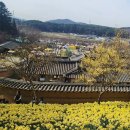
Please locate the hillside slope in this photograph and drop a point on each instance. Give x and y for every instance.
(85, 29)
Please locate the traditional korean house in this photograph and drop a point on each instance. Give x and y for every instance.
(58, 85)
(61, 70)
(8, 46)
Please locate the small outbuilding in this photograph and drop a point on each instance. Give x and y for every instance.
(7, 46)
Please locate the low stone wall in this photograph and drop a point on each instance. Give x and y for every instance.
(63, 97)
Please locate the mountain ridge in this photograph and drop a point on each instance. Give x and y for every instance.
(69, 26)
(62, 21)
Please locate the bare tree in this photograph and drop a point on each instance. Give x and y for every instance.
(29, 35)
(27, 61)
(3, 37)
(28, 57)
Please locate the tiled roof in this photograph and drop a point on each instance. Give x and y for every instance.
(76, 74)
(123, 78)
(120, 78)
(72, 70)
(9, 45)
(57, 68)
(61, 87)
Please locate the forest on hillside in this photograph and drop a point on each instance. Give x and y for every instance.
(7, 23)
(86, 29)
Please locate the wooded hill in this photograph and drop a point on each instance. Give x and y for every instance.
(85, 29)
(7, 23)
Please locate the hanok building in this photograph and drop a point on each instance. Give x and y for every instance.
(8, 46)
(58, 85)
(61, 70)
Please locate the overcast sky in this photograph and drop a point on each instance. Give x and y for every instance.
(113, 13)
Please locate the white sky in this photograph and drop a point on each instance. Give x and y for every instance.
(113, 13)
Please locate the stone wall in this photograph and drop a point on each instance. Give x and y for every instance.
(63, 97)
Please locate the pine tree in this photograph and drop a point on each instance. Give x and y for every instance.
(14, 28)
(6, 23)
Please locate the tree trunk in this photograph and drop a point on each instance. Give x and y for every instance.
(34, 92)
(101, 93)
(99, 98)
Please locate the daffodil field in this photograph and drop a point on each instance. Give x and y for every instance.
(88, 116)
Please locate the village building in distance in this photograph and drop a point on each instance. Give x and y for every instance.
(57, 82)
